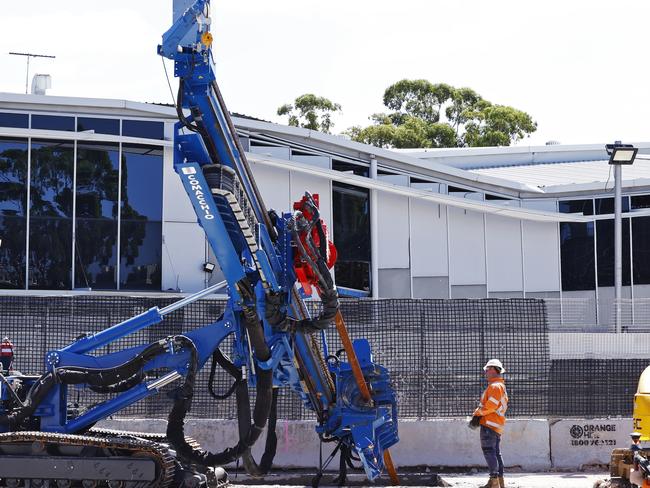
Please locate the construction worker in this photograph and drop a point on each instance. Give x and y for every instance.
(491, 417)
(6, 354)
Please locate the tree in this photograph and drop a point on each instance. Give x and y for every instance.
(417, 98)
(310, 112)
(426, 115)
(498, 125)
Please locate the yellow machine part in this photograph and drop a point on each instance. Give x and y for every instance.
(642, 406)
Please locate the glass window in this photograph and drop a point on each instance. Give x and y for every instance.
(50, 253)
(352, 235)
(100, 126)
(143, 128)
(577, 256)
(640, 201)
(96, 224)
(606, 205)
(12, 251)
(13, 177)
(96, 254)
(52, 122)
(140, 255)
(20, 121)
(97, 180)
(142, 172)
(51, 179)
(345, 167)
(641, 249)
(605, 251)
(585, 207)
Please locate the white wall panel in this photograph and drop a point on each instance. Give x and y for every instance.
(503, 241)
(428, 239)
(277, 152)
(183, 257)
(393, 230)
(274, 185)
(466, 247)
(176, 203)
(318, 161)
(541, 256)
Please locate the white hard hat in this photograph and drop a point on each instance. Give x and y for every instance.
(495, 363)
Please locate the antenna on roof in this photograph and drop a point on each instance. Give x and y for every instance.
(28, 56)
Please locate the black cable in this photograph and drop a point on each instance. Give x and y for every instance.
(219, 358)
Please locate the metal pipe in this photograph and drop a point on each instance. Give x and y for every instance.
(618, 245)
(192, 298)
(374, 233)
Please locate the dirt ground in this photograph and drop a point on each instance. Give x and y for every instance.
(517, 480)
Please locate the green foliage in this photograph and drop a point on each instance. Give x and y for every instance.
(416, 119)
(310, 112)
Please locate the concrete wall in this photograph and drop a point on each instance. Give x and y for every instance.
(531, 444)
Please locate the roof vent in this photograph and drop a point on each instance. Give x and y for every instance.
(40, 83)
(552, 143)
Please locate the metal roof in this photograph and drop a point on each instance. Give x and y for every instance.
(519, 171)
(494, 208)
(571, 176)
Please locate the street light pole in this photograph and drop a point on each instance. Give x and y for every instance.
(619, 154)
(618, 245)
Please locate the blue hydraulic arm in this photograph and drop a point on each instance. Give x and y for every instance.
(270, 262)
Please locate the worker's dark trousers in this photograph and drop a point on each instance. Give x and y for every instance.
(491, 445)
(6, 362)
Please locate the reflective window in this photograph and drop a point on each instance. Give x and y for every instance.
(140, 255)
(351, 207)
(605, 251)
(96, 254)
(52, 122)
(606, 205)
(52, 170)
(99, 126)
(641, 249)
(96, 224)
(142, 172)
(346, 167)
(12, 251)
(141, 213)
(50, 225)
(50, 253)
(585, 207)
(97, 180)
(20, 121)
(143, 128)
(577, 256)
(640, 201)
(13, 177)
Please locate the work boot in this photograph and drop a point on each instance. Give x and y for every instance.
(502, 484)
(493, 482)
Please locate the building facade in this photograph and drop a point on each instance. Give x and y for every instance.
(89, 201)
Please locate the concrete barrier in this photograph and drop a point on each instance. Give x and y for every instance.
(443, 442)
(576, 443)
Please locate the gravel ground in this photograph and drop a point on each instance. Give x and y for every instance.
(533, 480)
(517, 480)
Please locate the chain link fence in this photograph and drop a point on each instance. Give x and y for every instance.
(434, 350)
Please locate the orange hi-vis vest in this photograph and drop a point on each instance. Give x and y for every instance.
(6, 349)
(493, 406)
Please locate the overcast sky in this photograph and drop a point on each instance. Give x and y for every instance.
(580, 68)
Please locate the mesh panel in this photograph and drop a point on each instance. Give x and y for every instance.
(434, 350)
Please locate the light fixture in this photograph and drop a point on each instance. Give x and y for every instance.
(621, 153)
(208, 267)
